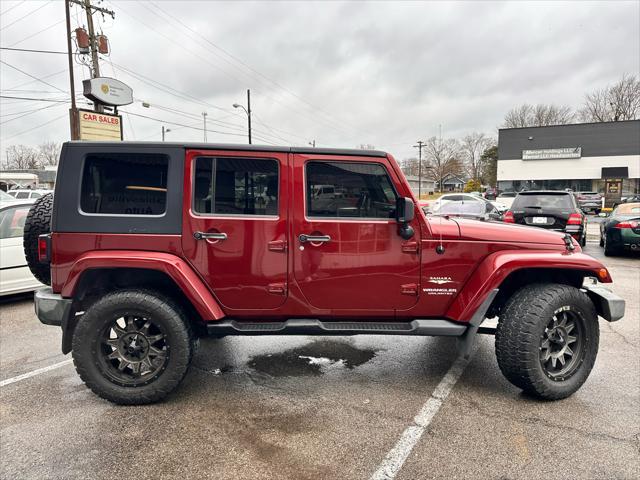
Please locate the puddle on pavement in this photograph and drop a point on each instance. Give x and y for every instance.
(315, 358)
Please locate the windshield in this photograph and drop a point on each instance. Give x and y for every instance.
(542, 201)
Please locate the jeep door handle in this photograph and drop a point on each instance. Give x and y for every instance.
(209, 236)
(314, 238)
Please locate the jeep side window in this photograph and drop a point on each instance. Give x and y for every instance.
(124, 184)
(349, 189)
(235, 186)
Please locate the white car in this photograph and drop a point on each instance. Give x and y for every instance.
(15, 276)
(25, 194)
(506, 198)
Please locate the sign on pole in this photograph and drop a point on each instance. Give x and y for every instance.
(99, 126)
(107, 91)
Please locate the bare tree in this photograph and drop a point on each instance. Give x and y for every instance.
(472, 147)
(22, 157)
(366, 146)
(409, 166)
(443, 158)
(49, 153)
(538, 115)
(618, 102)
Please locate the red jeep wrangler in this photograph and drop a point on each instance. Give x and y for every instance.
(147, 246)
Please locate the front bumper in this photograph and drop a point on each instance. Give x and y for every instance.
(53, 309)
(608, 305)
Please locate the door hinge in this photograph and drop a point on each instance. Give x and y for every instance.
(277, 246)
(409, 289)
(277, 288)
(410, 247)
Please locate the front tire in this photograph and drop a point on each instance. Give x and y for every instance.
(547, 340)
(131, 347)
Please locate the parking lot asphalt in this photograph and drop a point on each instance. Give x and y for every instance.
(322, 408)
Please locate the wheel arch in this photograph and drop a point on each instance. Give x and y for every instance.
(509, 271)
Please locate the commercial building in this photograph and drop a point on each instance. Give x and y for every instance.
(602, 157)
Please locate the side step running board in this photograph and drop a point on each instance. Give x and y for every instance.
(437, 327)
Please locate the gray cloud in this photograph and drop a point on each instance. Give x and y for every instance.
(379, 73)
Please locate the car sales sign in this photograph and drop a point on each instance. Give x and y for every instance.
(99, 126)
(107, 91)
(552, 153)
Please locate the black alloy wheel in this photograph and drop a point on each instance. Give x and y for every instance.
(561, 344)
(134, 351)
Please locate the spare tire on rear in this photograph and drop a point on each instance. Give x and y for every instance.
(38, 222)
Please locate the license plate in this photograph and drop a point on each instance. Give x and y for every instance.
(539, 220)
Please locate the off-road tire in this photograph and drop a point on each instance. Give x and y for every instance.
(87, 339)
(38, 222)
(521, 325)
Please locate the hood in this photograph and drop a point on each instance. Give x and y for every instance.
(502, 232)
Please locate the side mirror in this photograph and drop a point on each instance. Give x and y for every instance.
(404, 215)
(404, 210)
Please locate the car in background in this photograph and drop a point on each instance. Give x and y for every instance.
(621, 229)
(506, 198)
(490, 193)
(465, 205)
(550, 209)
(635, 198)
(5, 197)
(483, 211)
(15, 275)
(589, 201)
(25, 194)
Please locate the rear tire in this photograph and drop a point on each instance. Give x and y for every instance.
(38, 222)
(609, 251)
(547, 340)
(132, 347)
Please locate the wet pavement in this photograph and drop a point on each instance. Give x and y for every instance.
(321, 408)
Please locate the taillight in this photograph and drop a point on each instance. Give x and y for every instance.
(574, 219)
(44, 248)
(508, 217)
(628, 224)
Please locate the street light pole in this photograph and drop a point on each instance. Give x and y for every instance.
(247, 111)
(165, 130)
(419, 147)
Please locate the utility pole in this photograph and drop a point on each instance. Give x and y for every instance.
(89, 10)
(204, 119)
(73, 113)
(419, 147)
(313, 143)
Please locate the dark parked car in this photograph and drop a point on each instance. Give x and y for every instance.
(554, 210)
(635, 198)
(621, 230)
(589, 201)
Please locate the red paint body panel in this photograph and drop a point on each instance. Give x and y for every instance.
(497, 266)
(176, 268)
(366, 271)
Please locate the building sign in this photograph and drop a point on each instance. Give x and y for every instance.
(99, 126)
(552, 153)
(612, 191)
(107, 91)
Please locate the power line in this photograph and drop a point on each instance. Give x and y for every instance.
(32, 76)
(25, 16)
(31, 50)
(37, 33)
(31, 81)
(29, 113)
(298, 97)
(34, 99)
(11, 8)
(36, 127)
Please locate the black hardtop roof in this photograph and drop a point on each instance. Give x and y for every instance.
(232, 146)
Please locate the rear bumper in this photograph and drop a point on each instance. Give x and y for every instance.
(608, 305)
(50, 307)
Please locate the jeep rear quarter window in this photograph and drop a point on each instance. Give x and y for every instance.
(124, 184)
(349, 189)
(236, 186)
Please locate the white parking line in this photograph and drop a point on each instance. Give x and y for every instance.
(33, 373)
(394, 460)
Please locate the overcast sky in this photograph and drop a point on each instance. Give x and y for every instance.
(342, 74)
